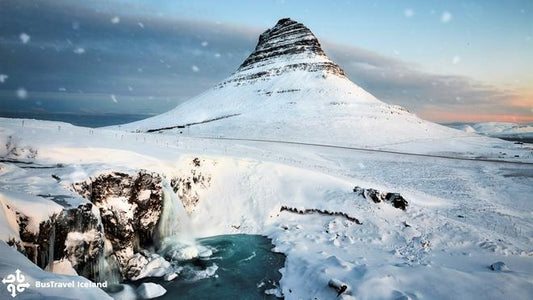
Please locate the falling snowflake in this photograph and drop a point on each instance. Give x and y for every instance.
(141, 25)
(22, 93)
(115, 20)
(446, 17)
(456, 59)
(114, 98)
(75, 25)
(25, 38)
(62, 89)
(205, 43)
(79, 50)
(195, 69)
(408, 13)
(3, 78)
(217, 55)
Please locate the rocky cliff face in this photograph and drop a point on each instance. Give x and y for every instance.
(189, 184)
(111, 231)
(288, 46)
(74, 233)
(129, 207)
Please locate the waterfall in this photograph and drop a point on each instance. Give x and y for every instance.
(108, 269)
(176, 238)
(51, 244)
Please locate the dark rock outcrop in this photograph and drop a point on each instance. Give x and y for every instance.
(395, 199)
(74, 233)
(320, 212)
(130, 207)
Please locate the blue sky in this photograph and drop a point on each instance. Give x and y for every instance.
(444, 60)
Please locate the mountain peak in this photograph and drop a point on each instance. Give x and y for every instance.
(288, 46)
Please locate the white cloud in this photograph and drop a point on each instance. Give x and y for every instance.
(446, 17)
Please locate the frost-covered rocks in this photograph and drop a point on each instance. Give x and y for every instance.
(339, 286)
(130, 207)
(150, 290)
(395, 199)
(73, 233)
(188, 185)
(499, 266)
(14, 150)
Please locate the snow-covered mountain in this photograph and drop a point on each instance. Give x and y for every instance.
(288, 89)
(504, 130)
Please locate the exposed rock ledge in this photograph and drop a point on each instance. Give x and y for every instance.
(129, 207)
(109, 232)
(395, 199)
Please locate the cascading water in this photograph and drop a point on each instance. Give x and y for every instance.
(51, 244)
(175, 232)
(108, 269)
(108, 266)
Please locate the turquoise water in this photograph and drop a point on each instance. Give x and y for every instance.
(241, 267)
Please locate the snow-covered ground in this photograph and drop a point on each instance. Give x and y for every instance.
(462, 216)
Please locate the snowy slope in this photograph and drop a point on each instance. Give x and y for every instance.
(288, 89)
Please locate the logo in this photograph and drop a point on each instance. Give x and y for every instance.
(16, 283)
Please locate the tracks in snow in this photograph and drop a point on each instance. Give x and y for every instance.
(487, 160)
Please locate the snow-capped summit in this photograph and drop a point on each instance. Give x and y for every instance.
(288, 89)
(286, 47)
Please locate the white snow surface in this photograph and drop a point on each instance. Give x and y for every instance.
(463, 215)
(37, 209)
(150, 290)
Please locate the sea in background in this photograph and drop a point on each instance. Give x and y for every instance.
(85, 120)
